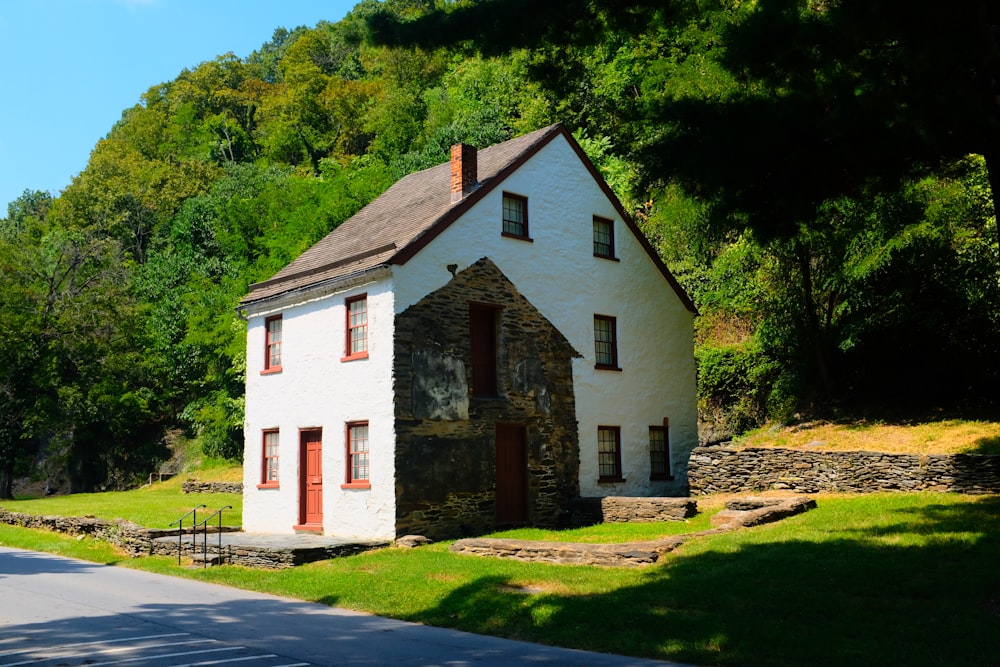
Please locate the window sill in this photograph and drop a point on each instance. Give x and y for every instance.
(610, 480)
(517, 237)
(607, 367)
(268, 485)
(355, 357)
(356, 485)
(271, 371)
(661, 478)
(609, 257)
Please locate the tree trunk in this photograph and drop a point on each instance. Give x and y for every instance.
(814, 331)
(7, 482)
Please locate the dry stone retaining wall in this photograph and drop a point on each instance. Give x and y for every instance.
(192, 486)
(134, 539)
(720, 469)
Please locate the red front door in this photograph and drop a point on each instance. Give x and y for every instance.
(311, 482)
(512, 474)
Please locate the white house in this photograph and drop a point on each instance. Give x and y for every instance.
(485, 343)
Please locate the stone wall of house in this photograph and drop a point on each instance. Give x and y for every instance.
(720, 469)
(445, 436)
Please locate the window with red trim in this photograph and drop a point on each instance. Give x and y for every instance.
(357, 327)
(272, 344)
(269, 458)
(357, 455)
(609, 454)
(606, 342)
(515, 216)
(604, 238)
(659, 451)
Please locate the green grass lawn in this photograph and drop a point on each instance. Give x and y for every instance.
(900, 579)
(154, 506)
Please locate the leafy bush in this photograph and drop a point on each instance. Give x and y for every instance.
(738, 386)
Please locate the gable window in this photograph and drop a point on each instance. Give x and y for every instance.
(483, 329)
(269, 459)
(609, 454)
(357, 328)
(659, 451)
(272, 344)
(604, 238)
(515, 216)
(606, 342)
(357, 456)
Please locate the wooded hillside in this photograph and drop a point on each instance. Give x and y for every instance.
(816, 174)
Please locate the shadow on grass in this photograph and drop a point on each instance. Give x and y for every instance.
(888, 596)
(986, 446)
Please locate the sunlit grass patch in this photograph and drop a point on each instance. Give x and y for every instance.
(952, 436)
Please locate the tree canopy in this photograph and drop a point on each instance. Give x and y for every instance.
(817, 173)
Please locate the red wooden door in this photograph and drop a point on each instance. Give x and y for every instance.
(311, 483)
(512, 474)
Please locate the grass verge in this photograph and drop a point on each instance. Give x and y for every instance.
(862, 580)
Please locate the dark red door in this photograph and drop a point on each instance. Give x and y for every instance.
(311, 484)
(512, 474)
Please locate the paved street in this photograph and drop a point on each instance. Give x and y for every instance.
(63, 612)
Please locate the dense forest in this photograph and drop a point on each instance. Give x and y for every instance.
(817, 174)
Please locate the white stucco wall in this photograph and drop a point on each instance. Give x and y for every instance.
(316, 389)
(559, 275)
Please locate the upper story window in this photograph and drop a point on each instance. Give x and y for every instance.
(659, 451)
(357, 328)
(269, 459)
(609, 454)
(357, 455)
(483, 334)
(272, 344)
(515, 216)
(604, 238)
(606, 342)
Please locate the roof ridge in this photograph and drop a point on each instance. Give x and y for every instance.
(406, 214)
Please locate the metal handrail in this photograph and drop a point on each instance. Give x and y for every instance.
(204, 542)
(180, 529)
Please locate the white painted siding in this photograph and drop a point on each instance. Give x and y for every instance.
(316, 389)
(559, 275)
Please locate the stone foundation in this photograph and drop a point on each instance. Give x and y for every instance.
(569, 553)
(738, 514)
(730, 470)
(622, 509)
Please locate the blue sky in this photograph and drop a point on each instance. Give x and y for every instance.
(70, 67)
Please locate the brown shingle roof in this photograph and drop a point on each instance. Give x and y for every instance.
(381, 231)
(414, 210)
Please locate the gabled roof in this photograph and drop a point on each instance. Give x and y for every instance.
(413, 211)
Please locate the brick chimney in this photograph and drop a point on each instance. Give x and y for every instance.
(464, 170)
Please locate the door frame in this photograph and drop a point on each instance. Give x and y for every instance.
(523, 512)
(303, 485)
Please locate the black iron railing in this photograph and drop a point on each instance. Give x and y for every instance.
(204, 542)
(180, 529)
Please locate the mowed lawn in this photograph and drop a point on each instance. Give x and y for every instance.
(880, 579)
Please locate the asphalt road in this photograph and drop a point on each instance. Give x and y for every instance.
(59, 612)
